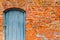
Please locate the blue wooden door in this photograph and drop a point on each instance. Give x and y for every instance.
(14, 24)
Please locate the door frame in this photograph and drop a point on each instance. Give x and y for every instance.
(16, 9)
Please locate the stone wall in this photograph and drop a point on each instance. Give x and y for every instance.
(42, 18)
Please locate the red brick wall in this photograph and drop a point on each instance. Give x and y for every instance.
(42, 18)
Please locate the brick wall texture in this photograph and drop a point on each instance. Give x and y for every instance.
(42, 18)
